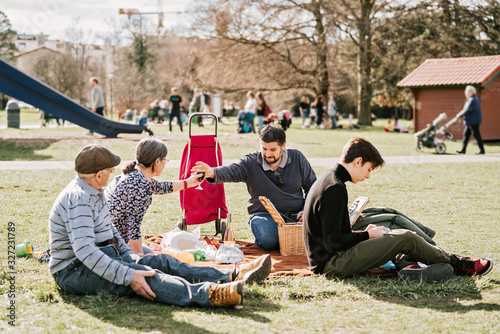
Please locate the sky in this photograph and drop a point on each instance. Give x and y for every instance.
(52, 17)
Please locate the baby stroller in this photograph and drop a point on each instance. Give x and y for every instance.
(283, 118)
(244, 125)
(200, 206)
(428, 137)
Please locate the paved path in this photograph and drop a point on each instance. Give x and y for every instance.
(317, 162)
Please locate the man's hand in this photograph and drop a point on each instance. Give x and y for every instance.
(140, 286)
(93, 109)
(300, 216)
(376, 232)
(209, 171)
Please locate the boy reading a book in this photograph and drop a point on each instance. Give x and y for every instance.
(334, 249)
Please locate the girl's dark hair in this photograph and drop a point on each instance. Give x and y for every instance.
(360, 147)
(318, 98)
(148, 150)
(261, 100)
(260, 96)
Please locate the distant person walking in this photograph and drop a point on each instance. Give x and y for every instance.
(332, 111)
(304, 108)
(262, 109)
(472, 118)
(200, 103)
(195, 105)
(251, 109)
(96, 97)
(175, 102)
(320, 110)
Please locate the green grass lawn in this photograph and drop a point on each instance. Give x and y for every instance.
(62, 144)
(25, 116)
(460, 201)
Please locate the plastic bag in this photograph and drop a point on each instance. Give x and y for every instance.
(210, 252)
(227, 254)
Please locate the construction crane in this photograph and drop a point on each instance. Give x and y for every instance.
(134, 11)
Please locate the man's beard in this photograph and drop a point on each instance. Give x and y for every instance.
(275, 160)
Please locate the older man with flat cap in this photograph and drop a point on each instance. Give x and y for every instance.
(89, 255)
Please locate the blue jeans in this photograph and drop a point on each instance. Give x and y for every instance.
(147, 250)
(334, 124)
(260, 119)
(250, 119)
(265, 230)
(305, 115)
(175, 282)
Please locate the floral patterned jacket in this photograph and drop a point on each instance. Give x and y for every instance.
(129, 197)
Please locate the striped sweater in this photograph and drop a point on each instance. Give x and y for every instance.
(78, 220)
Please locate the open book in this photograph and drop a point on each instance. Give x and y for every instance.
(356, 208)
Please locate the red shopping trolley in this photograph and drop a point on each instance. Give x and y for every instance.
(200, 206)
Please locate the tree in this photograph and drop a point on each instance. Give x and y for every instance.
(282, 43)
(7, 46)
(63, 73)
(429, 29)
(359, 20)
(136, 75)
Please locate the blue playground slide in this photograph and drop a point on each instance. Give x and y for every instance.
(23, 87)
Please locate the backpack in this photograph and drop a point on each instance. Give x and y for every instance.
(267, 111)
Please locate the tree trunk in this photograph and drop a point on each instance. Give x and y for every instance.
(364, 64)
(322, 79)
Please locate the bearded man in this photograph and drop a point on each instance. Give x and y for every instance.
(281, 174)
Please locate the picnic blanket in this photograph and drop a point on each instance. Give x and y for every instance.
(296, 265)
(282, 265)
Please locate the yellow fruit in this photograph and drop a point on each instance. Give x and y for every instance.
(185, 256)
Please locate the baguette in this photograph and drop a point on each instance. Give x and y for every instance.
(272, 210)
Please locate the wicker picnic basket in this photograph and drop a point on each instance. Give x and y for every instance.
(290, 235)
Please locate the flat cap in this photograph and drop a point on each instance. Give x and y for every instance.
(93, 158)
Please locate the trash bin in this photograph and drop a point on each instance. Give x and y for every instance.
(12, 110)
(130, 114)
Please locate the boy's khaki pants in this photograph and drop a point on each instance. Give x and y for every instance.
(403, 247)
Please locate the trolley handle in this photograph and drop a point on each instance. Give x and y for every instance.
(196, 114)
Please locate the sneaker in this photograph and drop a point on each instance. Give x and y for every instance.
(225, 295)
(438, 272)
(471, 267)
(255, 271)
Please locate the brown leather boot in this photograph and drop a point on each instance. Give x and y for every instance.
(255, 271)
(224, 295)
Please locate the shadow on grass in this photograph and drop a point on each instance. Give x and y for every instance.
(136, 313)
(24, 149)
(444, 297)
